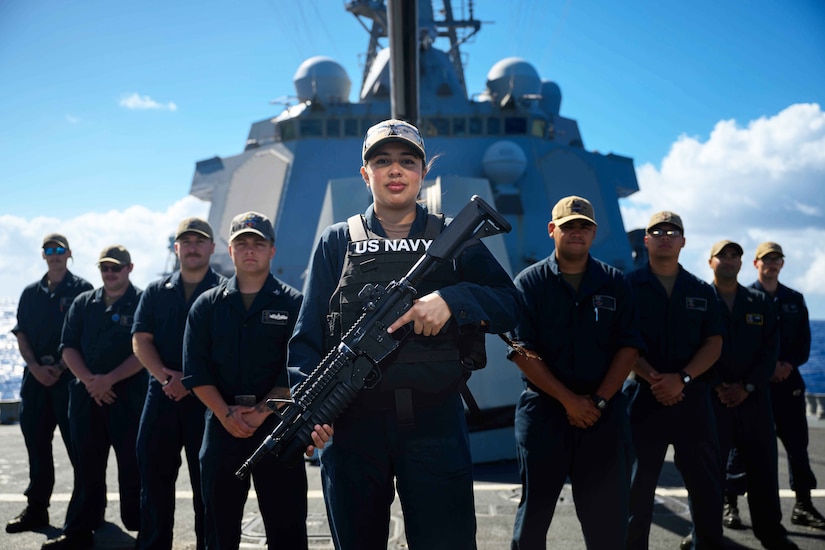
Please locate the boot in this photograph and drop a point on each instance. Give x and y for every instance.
(70, 541)
(28, 520)
(730, 513)
(805, 514)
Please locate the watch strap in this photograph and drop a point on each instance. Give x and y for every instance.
(599, 401)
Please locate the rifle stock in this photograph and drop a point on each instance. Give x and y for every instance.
(334, 383)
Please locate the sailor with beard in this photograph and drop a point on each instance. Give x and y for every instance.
(173, 418)
(742, 404)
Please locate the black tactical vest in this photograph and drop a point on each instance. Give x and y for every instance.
(430, 366)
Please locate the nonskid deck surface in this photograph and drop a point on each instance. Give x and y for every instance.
(496, 496)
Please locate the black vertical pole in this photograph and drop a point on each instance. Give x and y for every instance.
(403, 36)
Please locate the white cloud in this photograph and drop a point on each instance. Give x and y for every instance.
(143, 232)
(748, 184)
(143, 102)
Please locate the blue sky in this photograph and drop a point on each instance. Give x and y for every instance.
(106, 106)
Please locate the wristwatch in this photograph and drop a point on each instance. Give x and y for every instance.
(686, 378)
(599, 401)
(749, 387)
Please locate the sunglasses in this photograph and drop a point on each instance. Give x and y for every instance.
(400, 130)
(772, 260)
(52, 250)
(665, 232)
(113, 268)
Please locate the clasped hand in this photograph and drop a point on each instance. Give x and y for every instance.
(667, 388)
(100, 389)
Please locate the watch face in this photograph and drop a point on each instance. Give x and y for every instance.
(749, 388)
(686, 378)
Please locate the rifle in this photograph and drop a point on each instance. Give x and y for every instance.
(353, 364)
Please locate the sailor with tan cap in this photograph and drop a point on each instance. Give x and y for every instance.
(787, 388)
(104, 409)
(581, 328)
(172, 418)
(742, 404)
(670, 401)
(44, 390)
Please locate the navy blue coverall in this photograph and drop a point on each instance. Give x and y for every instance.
(577, 334)
(40, 315)
(674, 328)
(787, 396)
(166, 426)
(243, 352)
(102, 335)
(430, 463)
(749, 357)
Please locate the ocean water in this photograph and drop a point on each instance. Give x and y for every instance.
(11, 364)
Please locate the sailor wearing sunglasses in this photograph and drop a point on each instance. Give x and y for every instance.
(106, 399)
(44, 391)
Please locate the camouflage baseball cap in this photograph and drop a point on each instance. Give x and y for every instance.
(392, 130)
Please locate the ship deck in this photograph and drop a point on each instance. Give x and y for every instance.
(496, 496)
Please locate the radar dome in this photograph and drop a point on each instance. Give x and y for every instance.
(514, 76)
(322, 79)
(504, 162)
(550, 97)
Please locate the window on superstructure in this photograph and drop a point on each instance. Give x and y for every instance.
(515, 125)
(459, 126)
(287, 128)
(351, 127)
(333, 127)
(366, 124)
(438, 126)
(312, 127)
(537, 127)
(476, 126)
(493, 126)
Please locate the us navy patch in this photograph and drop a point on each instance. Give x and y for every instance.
(790, 308)
(696, 304)
(272, 317)
(603, 301)
(389, 245)
(754, 319)
(124, 320)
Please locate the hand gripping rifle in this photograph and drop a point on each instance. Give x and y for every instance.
(353, 364)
